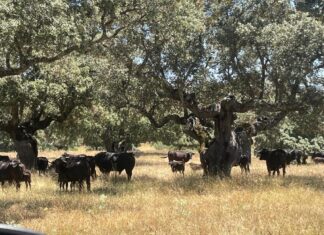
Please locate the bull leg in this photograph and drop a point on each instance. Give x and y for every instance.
(80, 186)
(227, 171)
(129, 175)
(269, 171)
(88, 182)
(94, 175)
(284, 171)
(17, 185)
(298, 161)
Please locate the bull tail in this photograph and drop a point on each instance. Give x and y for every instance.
(164, 157)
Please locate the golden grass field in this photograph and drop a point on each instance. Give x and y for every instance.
(158, 202)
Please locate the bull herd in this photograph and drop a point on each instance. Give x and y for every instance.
(75, 169)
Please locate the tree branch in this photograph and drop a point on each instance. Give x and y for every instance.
(158, 124)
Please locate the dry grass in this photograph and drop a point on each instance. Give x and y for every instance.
(158, 202)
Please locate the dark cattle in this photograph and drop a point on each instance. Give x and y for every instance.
(179, 156)
(244, 164)
(4, 158)
(11, 171)
(318, 160)
(57, 165)
(275, 160)
(42, 164)
(102, 161)
(177, 167)
(299, 156)
(108, 162)
(304, 158)
(72, 169)
(92, 164)
(317, 154)
(26, 177)
(90, 159)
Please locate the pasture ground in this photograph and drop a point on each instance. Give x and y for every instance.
(158, 202)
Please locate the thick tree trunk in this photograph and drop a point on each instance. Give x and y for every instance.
(108, 140)
(26, 152)
(222, 155)
(26, 146)
(228, 146)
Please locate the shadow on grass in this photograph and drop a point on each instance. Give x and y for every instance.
(251, 182)
(114, 185)
(15, 210)
(178, 183)
(315, 182)
(194, 183)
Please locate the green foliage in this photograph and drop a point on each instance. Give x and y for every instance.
(44, 94)
(6, 144)
(286, 136)
(88, 126)
(143, 56)
(313, 7)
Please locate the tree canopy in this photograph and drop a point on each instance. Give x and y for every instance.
(265, 53)
(228, 64)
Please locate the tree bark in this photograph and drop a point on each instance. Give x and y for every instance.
(26, 152)
(26, 146)
(228, 146)
(110, 142)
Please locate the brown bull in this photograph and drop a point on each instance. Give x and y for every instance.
(179, 156)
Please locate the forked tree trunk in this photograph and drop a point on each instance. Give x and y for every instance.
(226, 149)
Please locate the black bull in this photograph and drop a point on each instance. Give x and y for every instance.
(219, 158)
(72, 169)
(108, 162)
(11, 171)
